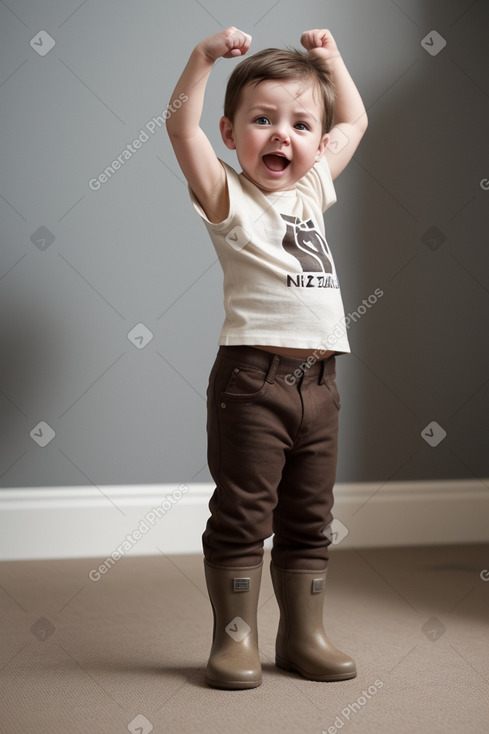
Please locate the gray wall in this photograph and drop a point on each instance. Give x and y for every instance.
(134, 252)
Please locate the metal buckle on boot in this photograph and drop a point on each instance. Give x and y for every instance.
(241, 584)
(317, 586)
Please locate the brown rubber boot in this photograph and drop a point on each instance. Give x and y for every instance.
(234, 660)
(302, 645)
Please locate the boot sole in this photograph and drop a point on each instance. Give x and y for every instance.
(236, 685)
(284, 665)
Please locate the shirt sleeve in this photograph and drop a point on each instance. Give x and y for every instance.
(319, 182)
(233, 190)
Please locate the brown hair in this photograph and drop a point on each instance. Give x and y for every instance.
(275, 63)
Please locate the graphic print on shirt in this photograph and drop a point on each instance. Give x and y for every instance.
(303, 241)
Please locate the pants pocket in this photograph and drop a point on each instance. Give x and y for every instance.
(331, 386)
(244, 384)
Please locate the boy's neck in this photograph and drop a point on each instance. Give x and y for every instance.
(270, 191)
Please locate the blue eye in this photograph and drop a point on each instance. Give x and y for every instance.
(301, 126)
(262, 120)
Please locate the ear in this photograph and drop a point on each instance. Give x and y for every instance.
(322, 146)
(227, 132)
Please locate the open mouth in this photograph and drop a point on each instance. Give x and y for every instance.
(275, 162)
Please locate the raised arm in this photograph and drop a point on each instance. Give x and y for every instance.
(350, 118)
(193, 149)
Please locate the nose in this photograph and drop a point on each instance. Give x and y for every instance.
(281, 135)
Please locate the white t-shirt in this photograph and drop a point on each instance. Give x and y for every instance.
(280, 282)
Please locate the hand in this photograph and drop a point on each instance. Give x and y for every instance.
(228, 43)
(321, 43)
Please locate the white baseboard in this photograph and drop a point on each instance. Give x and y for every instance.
(78, 522)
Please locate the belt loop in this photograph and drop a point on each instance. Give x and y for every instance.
(321, 372)
(273, 369)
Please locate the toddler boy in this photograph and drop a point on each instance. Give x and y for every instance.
(295, 119)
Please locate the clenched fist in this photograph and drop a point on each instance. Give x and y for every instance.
(228, 43)
(320, 41)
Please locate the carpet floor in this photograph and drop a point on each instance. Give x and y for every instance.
(127, 652)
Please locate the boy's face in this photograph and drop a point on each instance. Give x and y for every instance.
(277, 132)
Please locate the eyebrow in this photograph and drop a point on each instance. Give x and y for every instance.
(298, 113)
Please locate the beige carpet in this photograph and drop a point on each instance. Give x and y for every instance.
(128, 652)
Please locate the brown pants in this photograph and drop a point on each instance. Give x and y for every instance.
(272, 425)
